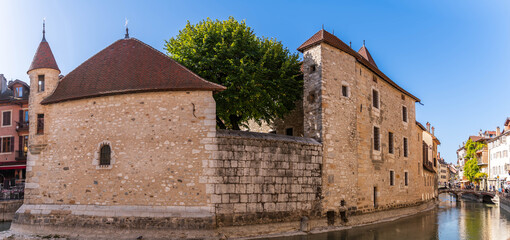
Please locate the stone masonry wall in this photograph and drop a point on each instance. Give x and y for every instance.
(356, 177)
(158, 141)
(261, 178)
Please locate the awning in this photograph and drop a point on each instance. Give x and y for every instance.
(13, 167)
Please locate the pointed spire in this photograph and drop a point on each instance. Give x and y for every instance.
(44, 30)
(363, 51)
(127, 30)
(43, 57)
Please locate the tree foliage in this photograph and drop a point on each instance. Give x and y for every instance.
(481, 175)
(471, 168)
(262, 77)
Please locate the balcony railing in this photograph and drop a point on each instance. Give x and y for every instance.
(22, 126)
(20, 155)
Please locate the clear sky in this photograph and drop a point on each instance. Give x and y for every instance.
(453, 55)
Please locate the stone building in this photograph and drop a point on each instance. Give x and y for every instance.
(429, 174)
(13, 131)
(127, 141)
(365, 122)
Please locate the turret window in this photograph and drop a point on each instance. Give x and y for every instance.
(40, 123)
(41, 83)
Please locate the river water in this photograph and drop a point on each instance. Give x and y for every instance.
(451, 220)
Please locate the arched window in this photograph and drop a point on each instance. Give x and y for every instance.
(105, 155)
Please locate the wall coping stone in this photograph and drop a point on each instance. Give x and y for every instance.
(222, 133)
(121, 211)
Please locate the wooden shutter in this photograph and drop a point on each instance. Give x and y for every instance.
(21, 116)
(12, 144)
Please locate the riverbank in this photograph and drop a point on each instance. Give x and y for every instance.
(316, 226)
(313, 226)
(504, 201)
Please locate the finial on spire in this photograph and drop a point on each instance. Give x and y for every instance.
(363, 43)
(127, 30)
(44, 30)
(323, 26)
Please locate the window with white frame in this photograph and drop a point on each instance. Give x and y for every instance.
(7, 144)
(6, 118)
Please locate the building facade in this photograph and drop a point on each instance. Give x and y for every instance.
(443, 173)
(499, 161)
(13, 131)
(130, 136)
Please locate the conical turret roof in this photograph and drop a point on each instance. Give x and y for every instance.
(43, 57)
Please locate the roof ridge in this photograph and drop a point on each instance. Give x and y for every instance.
(127, 66)
(337, 43)
(185, 68)
(85, 62)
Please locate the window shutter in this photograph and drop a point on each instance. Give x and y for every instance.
(12, 144)
(20, 116)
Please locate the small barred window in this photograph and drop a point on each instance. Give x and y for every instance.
(105, 155)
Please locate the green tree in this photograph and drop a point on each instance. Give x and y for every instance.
(479, 176)
(471, 166)
(262, 77)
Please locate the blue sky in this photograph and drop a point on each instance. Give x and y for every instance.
(453, 55)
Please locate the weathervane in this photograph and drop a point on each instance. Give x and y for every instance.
(127, 30)
(44, 30)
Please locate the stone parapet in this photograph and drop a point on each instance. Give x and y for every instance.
(261, 178)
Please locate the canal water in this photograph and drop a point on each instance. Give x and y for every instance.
(451, 220)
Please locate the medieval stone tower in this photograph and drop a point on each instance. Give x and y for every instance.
(329, 106)
(44, 77)
(365, 123)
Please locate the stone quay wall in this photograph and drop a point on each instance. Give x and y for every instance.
(8, 208)
(261, 178)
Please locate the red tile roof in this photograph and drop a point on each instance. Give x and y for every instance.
(43, 57)
(127, 66)
(324, 36)
(363, 51)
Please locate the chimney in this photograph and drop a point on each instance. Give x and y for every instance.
(498, 131)
(507, 124)
(433, 131)
(428, 127)
(3, 83)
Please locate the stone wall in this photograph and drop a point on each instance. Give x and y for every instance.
(158, 141)
(262, 178)
(356, 177)
(8, 208)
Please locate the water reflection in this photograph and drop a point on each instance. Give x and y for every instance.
(451, 220)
